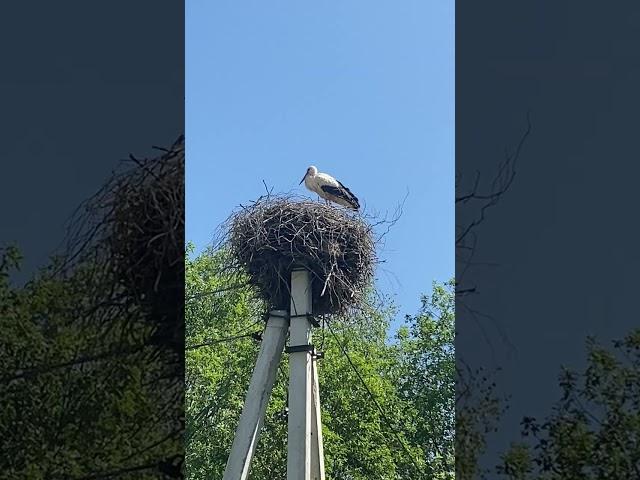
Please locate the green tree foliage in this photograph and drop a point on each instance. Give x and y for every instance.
(593, 431)
(387, 403)
(427, 380)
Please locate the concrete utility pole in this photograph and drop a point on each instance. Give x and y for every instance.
(262, 380)
(300, 368)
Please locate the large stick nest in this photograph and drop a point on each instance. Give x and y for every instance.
(275, 233)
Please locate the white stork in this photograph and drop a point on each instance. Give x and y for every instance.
(329, 188)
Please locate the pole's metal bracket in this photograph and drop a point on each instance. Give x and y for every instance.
(299, 348)
(304, 348)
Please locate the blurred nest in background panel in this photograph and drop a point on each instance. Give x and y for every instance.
(146, 238)
(275, 233)
(130, 238)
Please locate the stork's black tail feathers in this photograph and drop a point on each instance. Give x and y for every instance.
(352, 199)
(344, 193)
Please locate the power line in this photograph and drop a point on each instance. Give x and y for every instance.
(322, 340)
(239, 334)
(375, 401)
(199, 295)
(255, 335)
(34, 371)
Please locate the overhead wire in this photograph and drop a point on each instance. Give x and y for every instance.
(240, 334)
(377, 404)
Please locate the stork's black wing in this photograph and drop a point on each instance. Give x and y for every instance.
(342, 192)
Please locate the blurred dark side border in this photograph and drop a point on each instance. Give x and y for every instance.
(547, 339)
(92, 240)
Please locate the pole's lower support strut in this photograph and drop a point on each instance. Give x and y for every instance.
(260, 387)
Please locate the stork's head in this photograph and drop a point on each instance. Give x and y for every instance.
(311, 171)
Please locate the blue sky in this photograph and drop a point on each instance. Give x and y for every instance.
(363, 90)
